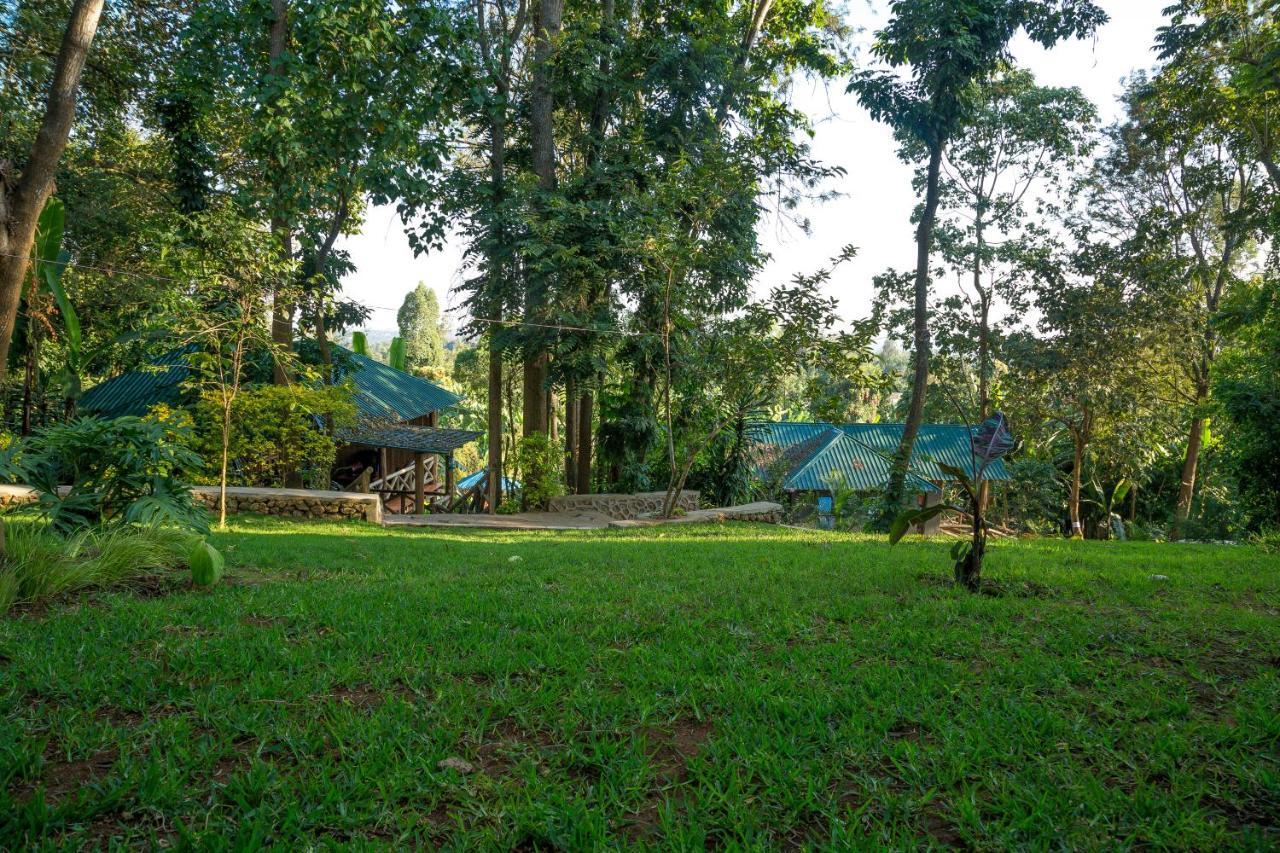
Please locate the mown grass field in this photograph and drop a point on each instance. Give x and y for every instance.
(687, 687)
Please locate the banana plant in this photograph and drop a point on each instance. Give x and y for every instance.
(992, 441)
(359, 343)
(49, 262)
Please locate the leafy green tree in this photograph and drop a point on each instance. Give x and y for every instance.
(948, 50)
(1223, 66)
(1085, 373)
(1247, 395)
(232, 269)
(422, 332)
(1185, 206)
(276, 431)
(1022, 140)
(296, 101)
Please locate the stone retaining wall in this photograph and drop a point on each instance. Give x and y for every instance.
(619, 506)
(295, 503)
(10, 495)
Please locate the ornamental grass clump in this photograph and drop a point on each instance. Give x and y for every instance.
(41, 564)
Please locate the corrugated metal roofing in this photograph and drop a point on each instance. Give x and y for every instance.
(419, 439)
(135, 392)
(945, 443)
(864, 457)
(382, 392)
(473, 479)
(839, 457)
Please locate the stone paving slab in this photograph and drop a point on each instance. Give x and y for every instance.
(514, 521)
(581, 520)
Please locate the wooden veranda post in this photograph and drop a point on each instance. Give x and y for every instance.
(448, 476)
(419, 483)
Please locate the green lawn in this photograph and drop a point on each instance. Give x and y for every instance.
(684, 687)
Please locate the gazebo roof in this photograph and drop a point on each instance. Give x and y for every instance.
(417, 439)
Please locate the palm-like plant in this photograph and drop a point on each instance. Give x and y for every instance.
(992, 441)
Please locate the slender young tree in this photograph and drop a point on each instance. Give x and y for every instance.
(948, 49)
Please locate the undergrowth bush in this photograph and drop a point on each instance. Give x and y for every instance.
(94, 471)
(41, 564)
(541, 465)
(277, 430)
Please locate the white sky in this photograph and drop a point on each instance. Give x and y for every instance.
(873, 213)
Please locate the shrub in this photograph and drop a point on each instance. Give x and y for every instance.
(277, 430)
(541, 465)
(122, 470)
(41, 564)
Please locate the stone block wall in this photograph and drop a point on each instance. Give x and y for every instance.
(10, 495)
(295, 503)
(622, 507)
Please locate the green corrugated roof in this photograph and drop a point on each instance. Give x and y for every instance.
(945, 443)
(135, 392)
(837, 456)
(862, 453)
(382, 393)
(419, 439)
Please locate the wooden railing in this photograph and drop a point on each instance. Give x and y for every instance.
(398, 489)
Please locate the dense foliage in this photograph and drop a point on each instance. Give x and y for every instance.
(607, 168)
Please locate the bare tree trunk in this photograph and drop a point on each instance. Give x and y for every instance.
(1190, 461)
(21, 202)
(920, 383)
(570, 435)
(495, 425)
(282, 307)
(1073, 498)
(586, 405)
(28, 386)
(546, 29)
(226, 454)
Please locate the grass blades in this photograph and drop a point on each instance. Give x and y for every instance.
(736, 686)
(40, 564)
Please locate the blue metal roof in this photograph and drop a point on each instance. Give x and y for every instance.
(472, 480)
(382, 393)
(862, 454)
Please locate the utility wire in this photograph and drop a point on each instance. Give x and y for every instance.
(492, 321)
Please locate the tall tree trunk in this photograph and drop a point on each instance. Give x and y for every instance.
(586, 405)
(546, 30)
(1187, 487)
(920, 383)
(22, 201)
(495, 422)
(282, 307)
(570, 435)
(984, 346)
(28, 388)
(1073, 498)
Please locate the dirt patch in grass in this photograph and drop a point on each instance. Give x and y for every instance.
(243, 750)
(61, 779)
(254, 620)
(360, 696)
(907, 730)
(120, 717)
(670, 750)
